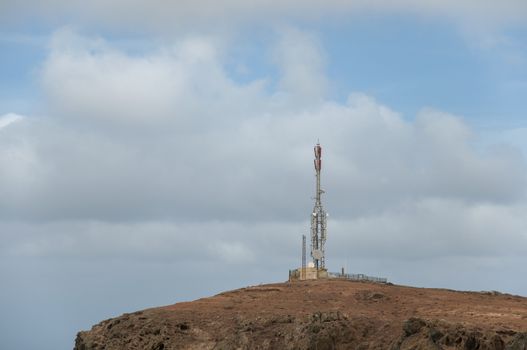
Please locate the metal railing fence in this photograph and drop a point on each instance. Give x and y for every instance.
(358, 277)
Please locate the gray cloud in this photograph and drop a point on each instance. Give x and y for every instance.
(140, 14)
(423, 230)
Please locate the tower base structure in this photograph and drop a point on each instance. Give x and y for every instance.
(308, 273)
(312, 273)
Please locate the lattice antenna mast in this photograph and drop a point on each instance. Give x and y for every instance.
(318, 217)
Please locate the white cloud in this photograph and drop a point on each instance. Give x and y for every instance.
(19, 164)
(89, 79)
(9, 118)
(164, 156)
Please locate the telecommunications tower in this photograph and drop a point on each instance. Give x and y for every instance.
(316, 268)
(318, 218)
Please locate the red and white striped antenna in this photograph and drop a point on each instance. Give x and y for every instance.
(319, 216)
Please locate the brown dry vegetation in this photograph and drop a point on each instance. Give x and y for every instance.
(323, 314)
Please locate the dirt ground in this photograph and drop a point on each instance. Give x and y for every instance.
(322, 314)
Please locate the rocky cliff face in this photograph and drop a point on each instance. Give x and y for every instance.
(331, 314)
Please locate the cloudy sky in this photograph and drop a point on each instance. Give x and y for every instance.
(159, 151)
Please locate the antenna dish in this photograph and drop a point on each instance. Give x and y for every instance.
(317, 254)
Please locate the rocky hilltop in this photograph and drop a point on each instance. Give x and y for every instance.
(322, 314)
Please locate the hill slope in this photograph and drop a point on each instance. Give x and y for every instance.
(323, 314)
